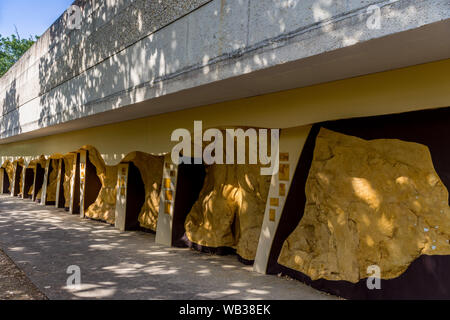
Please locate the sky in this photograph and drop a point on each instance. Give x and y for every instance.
(32, 17)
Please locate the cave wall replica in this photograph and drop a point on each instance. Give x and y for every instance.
(368, 202)
(151, 170)
(42, 161)
(229, 211)
(370, 191)
(52, 180)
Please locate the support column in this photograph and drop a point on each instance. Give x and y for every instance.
(291, 145)
(60, 200)
(45, 182)
(121, 200)
(166, 204)
(74, 206)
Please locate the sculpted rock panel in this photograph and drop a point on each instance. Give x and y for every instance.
(104, 206)
(377, 202)
(230, 209)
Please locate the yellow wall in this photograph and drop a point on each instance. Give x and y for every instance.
(413, 88)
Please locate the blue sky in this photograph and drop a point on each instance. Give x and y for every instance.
(32, 17)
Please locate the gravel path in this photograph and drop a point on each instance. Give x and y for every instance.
(14, 284)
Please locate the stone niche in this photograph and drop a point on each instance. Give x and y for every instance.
(368, 202)
(230, 209)
(151, 170)
(29, 192)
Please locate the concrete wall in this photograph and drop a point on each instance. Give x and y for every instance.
(129, 52)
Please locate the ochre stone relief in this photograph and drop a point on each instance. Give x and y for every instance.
(230, 209)
(104, 206)
(377, 202)
(52, 180)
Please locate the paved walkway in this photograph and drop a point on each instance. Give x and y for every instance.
(44, 242)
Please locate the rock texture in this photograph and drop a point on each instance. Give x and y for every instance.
(230, 209)
(151, 169)
(377, 202)
(104, 207)
(68, 172)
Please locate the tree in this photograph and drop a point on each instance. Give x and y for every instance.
(11, 49)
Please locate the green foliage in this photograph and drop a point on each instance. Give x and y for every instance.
(11, 49)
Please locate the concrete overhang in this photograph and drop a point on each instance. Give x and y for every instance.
(216, 82)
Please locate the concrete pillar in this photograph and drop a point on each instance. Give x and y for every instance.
(74, 205)
(60, 200)
(167, 202)
(121, 200)
(291, 145)
(45, 183)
